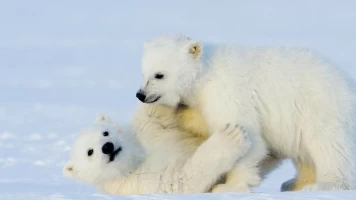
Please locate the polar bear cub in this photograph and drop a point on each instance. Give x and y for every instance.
(154, 156)
(291, 102)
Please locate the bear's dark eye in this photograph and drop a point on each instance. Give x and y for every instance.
(159, 76)
(106, 133)
(90, 152)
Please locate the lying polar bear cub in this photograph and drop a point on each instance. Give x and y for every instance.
(153, 156)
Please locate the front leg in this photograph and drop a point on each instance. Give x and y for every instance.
(246, 173)
(114, 186)
(213, 158)
(229, 105)
(137, 182)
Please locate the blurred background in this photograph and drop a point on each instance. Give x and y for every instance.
(64, 62)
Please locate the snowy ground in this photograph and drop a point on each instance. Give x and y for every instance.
(63, 62)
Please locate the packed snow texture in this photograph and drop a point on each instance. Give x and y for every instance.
(64, 62)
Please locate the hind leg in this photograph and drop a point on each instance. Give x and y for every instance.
(333, 162)
(306, 175)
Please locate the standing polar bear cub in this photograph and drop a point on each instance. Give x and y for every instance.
(154, 156)
(292, 103)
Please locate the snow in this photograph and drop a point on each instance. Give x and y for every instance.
(64, 62)
(344, 195)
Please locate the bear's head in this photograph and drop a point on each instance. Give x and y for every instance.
(103, 152)
(170, 65)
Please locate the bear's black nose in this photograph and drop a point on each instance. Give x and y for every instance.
(108, 148)
(141, 96)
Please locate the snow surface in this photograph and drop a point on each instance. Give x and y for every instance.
(64, 62)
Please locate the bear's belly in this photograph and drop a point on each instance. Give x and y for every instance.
(285, 143)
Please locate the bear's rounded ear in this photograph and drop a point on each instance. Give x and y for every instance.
(68, 169)
(102, 117)
(195, 48)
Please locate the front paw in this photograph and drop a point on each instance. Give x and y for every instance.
(288, 185)
(235, 138)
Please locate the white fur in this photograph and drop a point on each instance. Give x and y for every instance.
(96, 168)
(291, 101)
(156, 156)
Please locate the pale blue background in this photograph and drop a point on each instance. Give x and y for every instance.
(64, 62)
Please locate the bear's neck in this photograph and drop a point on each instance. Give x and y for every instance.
(190, 97)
